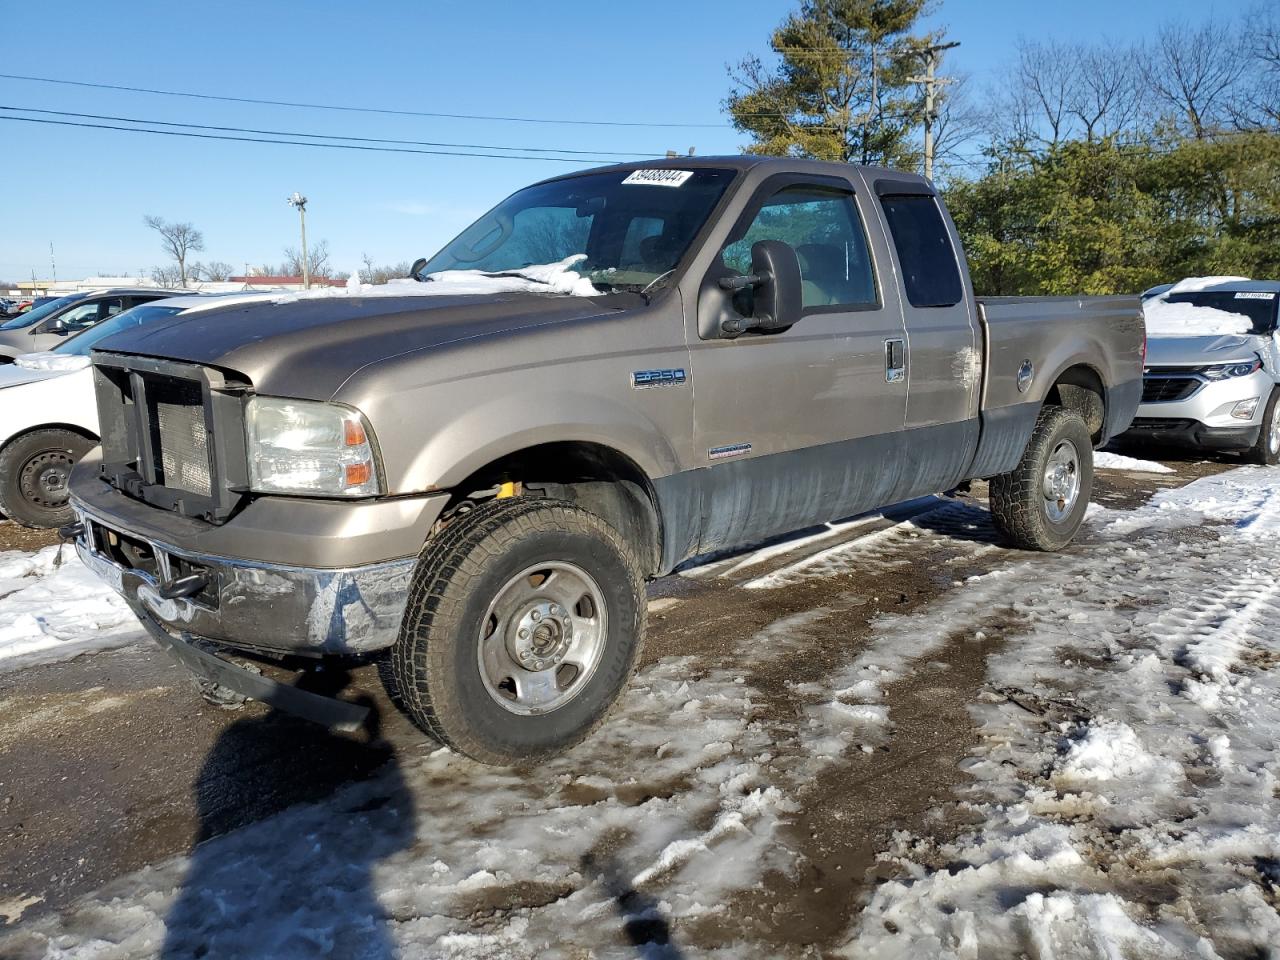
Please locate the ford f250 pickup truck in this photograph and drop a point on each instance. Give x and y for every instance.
(469, 475)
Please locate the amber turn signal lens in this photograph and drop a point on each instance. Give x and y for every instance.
(354, 434)
(358, 474)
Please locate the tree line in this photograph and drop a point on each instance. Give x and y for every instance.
(179, 240)
(1087, 168)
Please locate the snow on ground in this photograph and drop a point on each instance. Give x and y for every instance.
(1126, 782)
(1118, 461)
(50, 612)
(1124, 789)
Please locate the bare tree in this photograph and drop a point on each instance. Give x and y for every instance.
(372, 273)
(1047, 80)
(178, 240)
(214, 270)
(317, 260)
(1260, 104)
(1194, 72)
(169, 277)
(1104, 94)
(959, 124)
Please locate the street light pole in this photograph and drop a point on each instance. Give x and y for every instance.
(299, 201)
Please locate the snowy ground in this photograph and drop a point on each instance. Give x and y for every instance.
(1119, 799)
(52, 608)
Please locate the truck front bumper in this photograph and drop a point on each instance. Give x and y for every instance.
(262, 607)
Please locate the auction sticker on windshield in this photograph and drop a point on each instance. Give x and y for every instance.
(659, 178)
(1255, 295)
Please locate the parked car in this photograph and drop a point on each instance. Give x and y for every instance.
(610, 373)
(49, 417)
(1212, 368)
(44, 327)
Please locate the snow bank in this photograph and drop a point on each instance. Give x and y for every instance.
(1116, 461)
(54, 613)
(1165, 319)
(557, 278)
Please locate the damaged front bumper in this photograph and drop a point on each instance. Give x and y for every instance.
(261, 607)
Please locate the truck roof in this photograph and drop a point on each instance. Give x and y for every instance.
(747, 161)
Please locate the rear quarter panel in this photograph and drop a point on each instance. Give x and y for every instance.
(1104, 334)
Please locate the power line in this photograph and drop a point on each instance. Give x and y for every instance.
(328, 136)
(295, 143)
(349, 109)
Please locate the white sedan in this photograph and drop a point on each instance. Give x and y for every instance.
(49, 414)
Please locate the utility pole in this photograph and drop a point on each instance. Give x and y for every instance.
(53, 265)
(299, 201)
(931, 82)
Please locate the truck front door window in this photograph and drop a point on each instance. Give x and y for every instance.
(824, 229)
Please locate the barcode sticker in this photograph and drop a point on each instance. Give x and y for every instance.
(1255, 295)
(658, 178)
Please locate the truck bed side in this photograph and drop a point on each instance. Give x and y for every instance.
(1067, 344)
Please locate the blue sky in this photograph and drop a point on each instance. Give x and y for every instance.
(661, 61)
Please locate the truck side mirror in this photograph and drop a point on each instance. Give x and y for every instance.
(778, 297)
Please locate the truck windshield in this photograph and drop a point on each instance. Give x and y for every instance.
(36, 314)
(1246, 311)
(81, 344)
(633, 227)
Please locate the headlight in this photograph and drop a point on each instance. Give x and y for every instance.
(309, 448)
(1225, 371)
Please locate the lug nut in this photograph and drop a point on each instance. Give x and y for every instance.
(523, 634)
(536, 615)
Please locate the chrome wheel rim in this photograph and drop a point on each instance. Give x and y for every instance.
(1273, 433)
(1061, 483)
(542, 637)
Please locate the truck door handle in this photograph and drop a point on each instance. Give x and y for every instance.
(895, 360)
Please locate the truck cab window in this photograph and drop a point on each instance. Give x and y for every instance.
(825, 230)
(928, 260)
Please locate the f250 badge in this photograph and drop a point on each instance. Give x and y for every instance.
(643, 379)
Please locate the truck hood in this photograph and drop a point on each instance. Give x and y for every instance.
(1187, 351)
(307, 347)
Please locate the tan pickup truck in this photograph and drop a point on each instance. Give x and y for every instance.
(471, 474)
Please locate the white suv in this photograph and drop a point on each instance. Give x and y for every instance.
(1212, 367)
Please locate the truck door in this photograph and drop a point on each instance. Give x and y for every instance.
(944, 355)
(796, 427)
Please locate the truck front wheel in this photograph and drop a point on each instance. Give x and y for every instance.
(1040, 503)
(524, 622)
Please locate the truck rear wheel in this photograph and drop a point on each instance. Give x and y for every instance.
(33, 476)
(1040, 503)
(525, 620)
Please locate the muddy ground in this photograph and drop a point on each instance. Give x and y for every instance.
(100, 756)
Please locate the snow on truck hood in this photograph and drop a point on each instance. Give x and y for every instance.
(307, 344)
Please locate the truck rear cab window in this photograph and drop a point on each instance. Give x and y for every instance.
(825, 230)
(928, 259)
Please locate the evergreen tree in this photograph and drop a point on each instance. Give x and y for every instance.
(840, 90)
